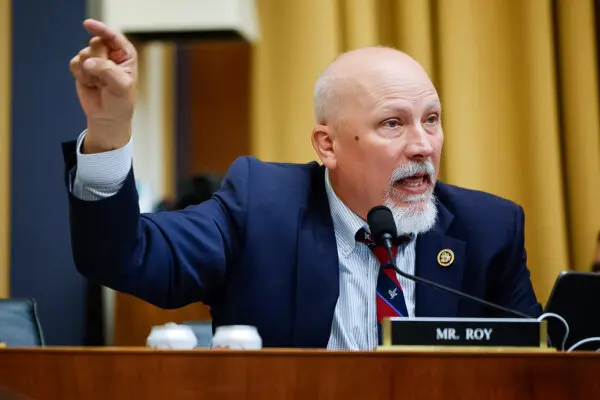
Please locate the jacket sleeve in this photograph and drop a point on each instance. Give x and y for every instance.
(514, 288)
(169, 259)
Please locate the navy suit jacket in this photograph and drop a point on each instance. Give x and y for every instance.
(262, 251)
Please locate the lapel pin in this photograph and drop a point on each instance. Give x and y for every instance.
(445, 257)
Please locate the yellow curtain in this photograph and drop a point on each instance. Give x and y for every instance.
(519, 87)
(5, 57)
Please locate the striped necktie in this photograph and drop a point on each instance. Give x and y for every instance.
(390, 297)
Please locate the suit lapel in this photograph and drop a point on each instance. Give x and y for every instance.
(434, 249)
(317, 286)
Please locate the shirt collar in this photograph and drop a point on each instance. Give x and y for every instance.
(345, 222)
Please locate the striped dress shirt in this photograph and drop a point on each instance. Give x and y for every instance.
(354, 325)
(355, 317)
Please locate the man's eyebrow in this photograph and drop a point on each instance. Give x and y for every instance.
(433, 104)
(397, 108)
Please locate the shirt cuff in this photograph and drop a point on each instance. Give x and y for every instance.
(106, 169)
(101, 175)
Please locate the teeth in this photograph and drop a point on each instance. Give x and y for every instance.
(413, 183)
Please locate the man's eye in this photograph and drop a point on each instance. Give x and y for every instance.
(432, 119)
(391, 123)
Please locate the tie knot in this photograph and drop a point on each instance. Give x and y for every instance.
(363, 235)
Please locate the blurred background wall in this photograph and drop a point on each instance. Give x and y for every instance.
(5, 64)
(44, 113)
(518, 82)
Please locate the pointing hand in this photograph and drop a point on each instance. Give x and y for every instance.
(105, 77)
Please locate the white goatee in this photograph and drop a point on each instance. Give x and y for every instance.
(420, 214)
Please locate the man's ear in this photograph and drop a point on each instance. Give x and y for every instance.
(322, 142)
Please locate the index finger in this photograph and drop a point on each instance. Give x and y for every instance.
(111, 37)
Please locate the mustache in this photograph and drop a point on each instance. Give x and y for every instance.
(412, 168)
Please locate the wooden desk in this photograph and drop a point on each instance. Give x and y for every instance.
(122, 373)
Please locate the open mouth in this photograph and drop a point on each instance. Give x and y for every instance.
(414, 184)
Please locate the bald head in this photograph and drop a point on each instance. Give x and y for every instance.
(379, 134)
(361, 71)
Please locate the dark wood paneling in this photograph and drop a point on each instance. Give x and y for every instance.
(219, 99)
(269, 374)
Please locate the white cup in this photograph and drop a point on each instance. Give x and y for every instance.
(172, 336)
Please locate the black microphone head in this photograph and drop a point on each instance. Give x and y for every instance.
(381, 222)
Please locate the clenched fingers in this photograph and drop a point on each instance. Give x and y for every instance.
(98, 48)
(108, 74)
(76, 66)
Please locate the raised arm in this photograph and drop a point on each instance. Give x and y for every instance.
(169, 259)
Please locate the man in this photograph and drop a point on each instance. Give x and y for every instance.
(282, 246)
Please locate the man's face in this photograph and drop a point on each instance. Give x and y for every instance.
(387, 144)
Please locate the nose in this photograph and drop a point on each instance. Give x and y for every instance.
(418, 146)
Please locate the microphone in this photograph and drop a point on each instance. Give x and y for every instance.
(383, 230)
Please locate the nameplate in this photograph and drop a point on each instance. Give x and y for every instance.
(464, 332)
